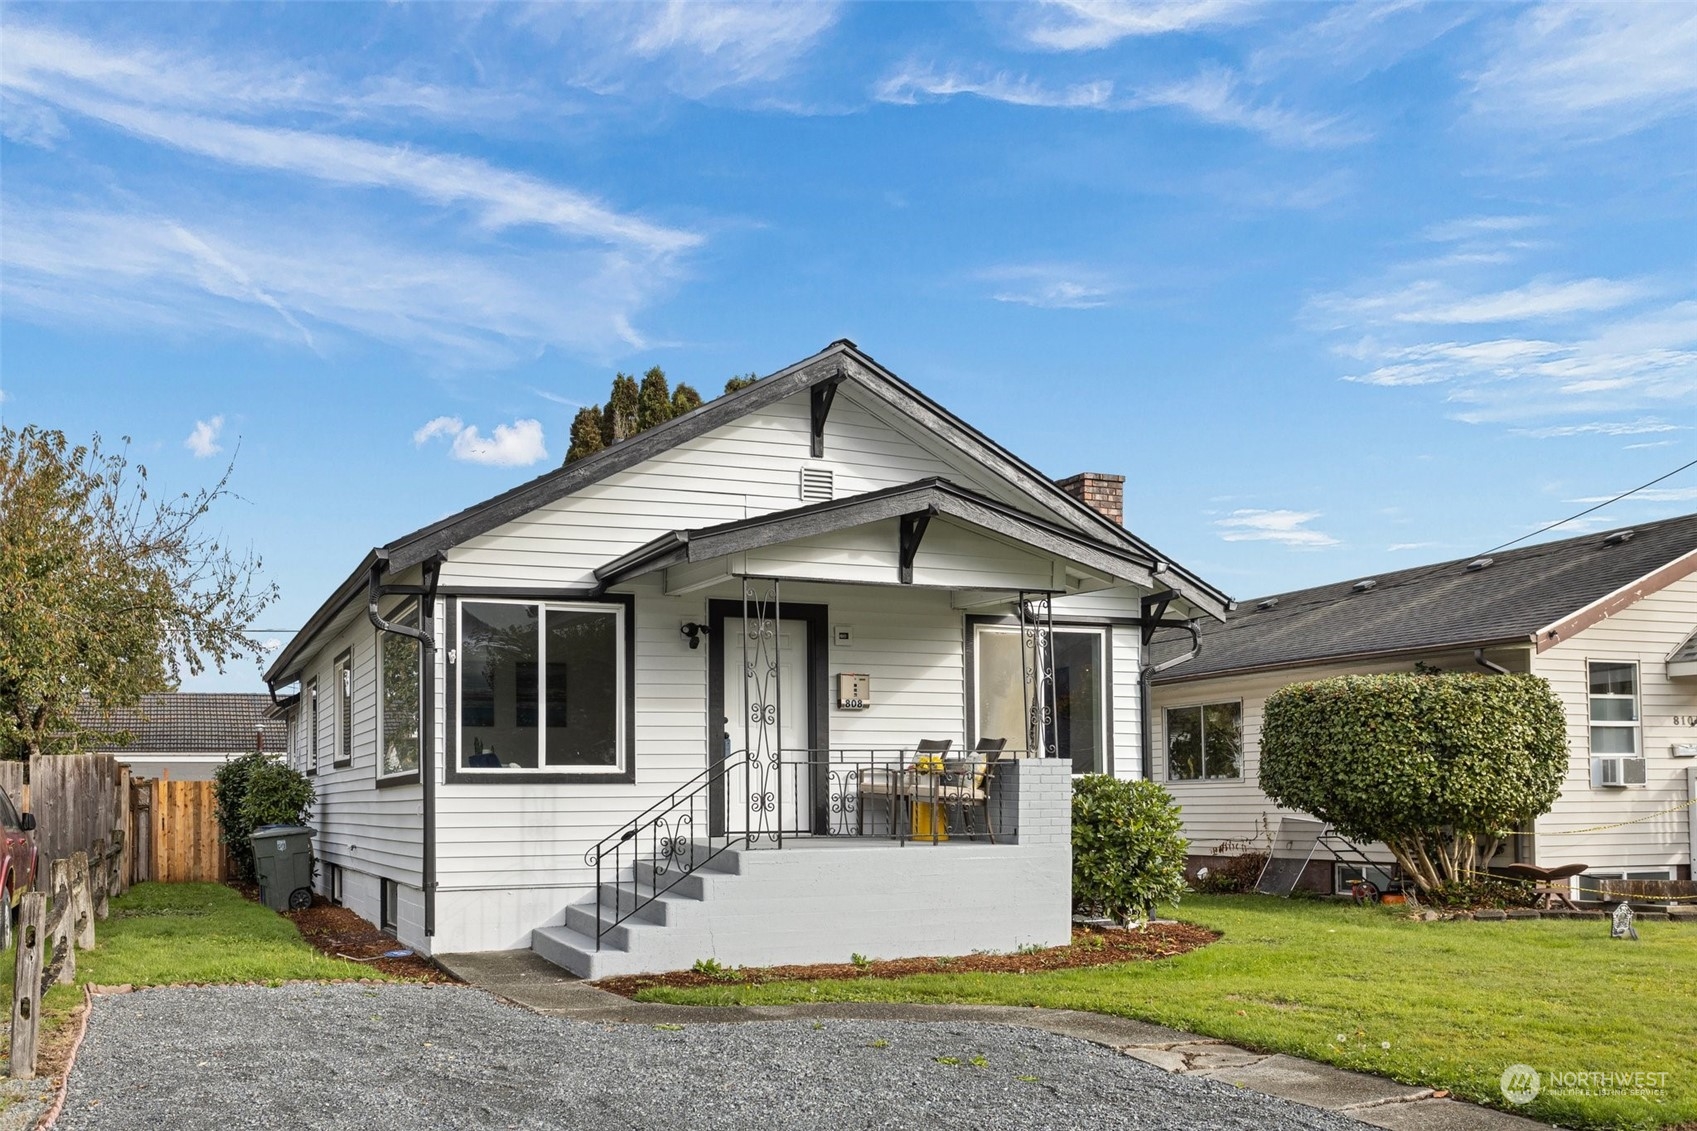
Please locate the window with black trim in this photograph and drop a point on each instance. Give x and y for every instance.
(344, 675)
(1205, 742)
(389, 911)
(1003, 691)
(541, 686)
(398, 718)
(312, 725)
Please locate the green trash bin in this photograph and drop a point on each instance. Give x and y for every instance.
(282, 857)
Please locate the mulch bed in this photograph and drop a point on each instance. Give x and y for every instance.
(1090, 947)
(340, 933)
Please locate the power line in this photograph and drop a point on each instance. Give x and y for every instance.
(1598, 507)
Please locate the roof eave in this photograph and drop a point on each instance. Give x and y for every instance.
(1184, 676)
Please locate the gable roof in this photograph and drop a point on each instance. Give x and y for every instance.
(1535, 595)
(841, 361)
(187, 722)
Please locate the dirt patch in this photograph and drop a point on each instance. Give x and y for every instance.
(1089, 947)
(339, 932)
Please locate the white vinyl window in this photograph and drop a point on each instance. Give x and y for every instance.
(398, 716)
(1617, 757)
(344, 676)
(1003, 692)
(541, 687)
(1205, 742)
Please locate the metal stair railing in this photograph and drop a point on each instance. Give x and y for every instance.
(674, 836)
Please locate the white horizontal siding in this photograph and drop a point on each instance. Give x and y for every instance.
(1127, 699)
(1227, 812)
(1646, 633)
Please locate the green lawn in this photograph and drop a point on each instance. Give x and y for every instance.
(1457, 1002)
(167, 934)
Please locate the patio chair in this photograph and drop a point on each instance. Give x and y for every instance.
(966, 783)
(897, 783)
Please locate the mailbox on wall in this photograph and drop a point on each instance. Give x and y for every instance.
(854, 691)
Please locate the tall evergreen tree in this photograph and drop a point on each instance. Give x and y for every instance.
(654, 400)
(619, 418)
(685, 399)
(586, 433)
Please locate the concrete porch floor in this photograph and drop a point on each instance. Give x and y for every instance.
(526, 980)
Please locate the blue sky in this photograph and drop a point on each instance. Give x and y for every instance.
(1340, 289)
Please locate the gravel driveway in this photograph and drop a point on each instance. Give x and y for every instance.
(372, 1058)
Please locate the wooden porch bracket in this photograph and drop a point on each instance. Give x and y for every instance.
(912, 534)
(823, 394)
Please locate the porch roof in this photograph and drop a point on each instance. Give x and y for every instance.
(923, 498)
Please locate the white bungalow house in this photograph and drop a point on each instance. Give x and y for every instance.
(674, 693)
(1610, 619)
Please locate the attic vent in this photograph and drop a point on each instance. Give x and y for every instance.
(816, 486)
(1619, 537)
(1478, 564)
(1363, 586)
(1269, 603)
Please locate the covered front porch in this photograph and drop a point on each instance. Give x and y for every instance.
(895, 687)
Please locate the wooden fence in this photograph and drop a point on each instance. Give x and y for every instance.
(168, 829)
(176, 832)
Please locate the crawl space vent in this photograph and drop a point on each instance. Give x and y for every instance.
(816, 486)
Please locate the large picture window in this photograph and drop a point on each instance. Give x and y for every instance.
(1002, 695)
(541, 686)
(398, 672)
(1205, 743)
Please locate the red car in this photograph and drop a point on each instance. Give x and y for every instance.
(17, 861)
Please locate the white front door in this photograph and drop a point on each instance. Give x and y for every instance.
(766, 713)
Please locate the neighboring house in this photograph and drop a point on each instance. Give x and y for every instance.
(185, 735)
(735, 627)
(1610, 619)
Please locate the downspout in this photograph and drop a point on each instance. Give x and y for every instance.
(1144, 675)
(425, 634)
(1479, 658)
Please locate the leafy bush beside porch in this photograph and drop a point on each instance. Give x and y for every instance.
(1128, 847)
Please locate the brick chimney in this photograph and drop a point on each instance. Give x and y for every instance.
(1102, 493)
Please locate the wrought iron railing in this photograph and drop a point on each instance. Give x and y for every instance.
(763, 800)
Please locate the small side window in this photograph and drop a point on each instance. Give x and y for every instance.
(390, 913)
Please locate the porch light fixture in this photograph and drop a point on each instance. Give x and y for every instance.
(693, 632)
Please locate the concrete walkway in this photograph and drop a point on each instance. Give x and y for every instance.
(524, 979)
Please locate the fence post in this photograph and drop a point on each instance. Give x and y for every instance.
(122, 827)
(100, 879)
(141, 823)
(82, 902)
(61, 931)
(26, 985)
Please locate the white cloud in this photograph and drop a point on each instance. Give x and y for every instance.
(1649, 495)
(1087, 25)
(1399, 547)
(440, 426)
(436, 252)
(518, 444)
(295, 277)
(1431, 302)
(1215, 96)
(1050, 286)
(1287, 527)
(203, 441)
(1592, 69)
(1646, 426)
(1649, 444)
(692, 49)
(908, 85)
